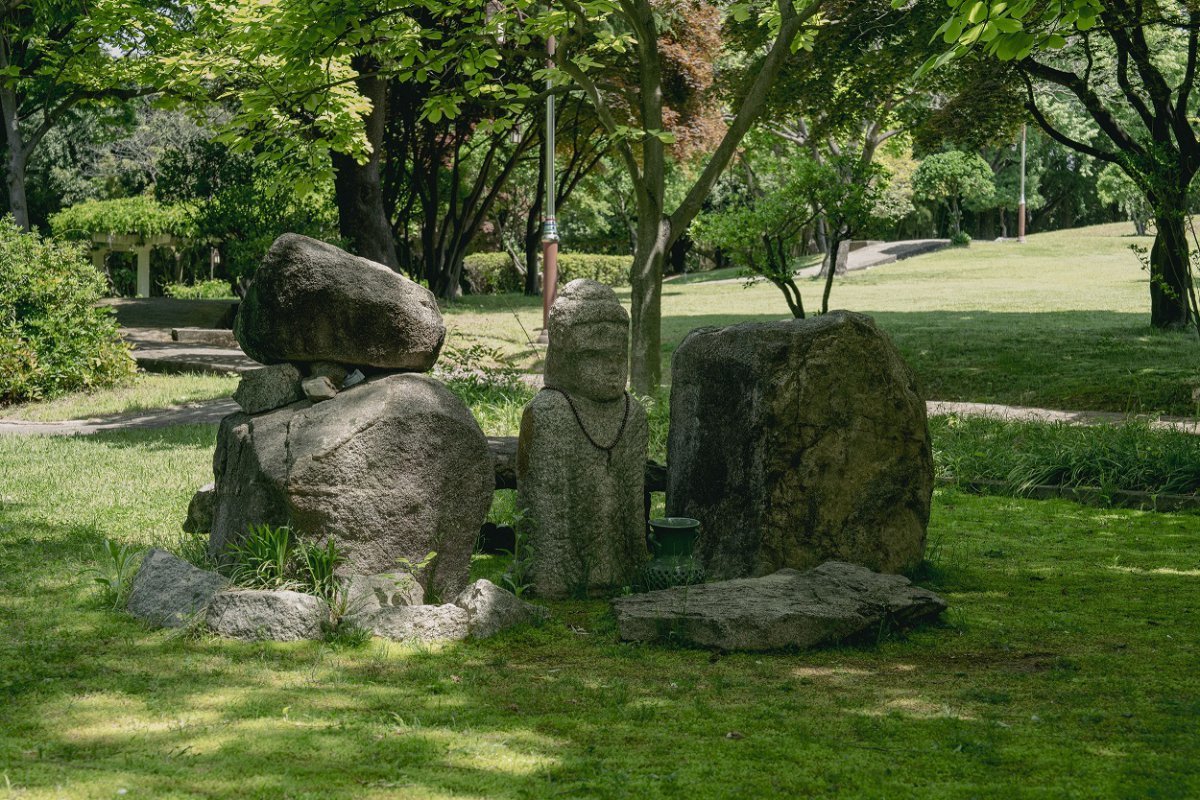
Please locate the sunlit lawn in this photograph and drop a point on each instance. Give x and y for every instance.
(1061, 322)
(146, 391)
(1065, 668)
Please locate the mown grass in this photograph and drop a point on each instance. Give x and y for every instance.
(146, 391)
(1060, 322)
(1065, 668)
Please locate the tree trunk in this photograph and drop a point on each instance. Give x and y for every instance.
(18, 205)
(533, 233)
(358, 188)
(653, 241)
(1170, 278)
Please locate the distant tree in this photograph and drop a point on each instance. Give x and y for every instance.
(1116, 188)
(764, 230)
(953, 177)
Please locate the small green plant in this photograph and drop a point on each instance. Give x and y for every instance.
(114, 575)
(263, 559)
(418, 568)
(960, 239)
(320, 564)
(517, 577)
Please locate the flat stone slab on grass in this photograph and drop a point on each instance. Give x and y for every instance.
(280, 616)
(445, 623)
(492, 609)
(168, 592)
(826, 604)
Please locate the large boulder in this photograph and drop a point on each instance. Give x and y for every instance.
(394, 468)
(169, 592)
(311, 301)
(280, 616)
(799, 442)
(832, 602)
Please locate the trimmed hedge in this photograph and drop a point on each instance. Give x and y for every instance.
(493, 273)
(216, 289)
(132, 216)
(53, 336)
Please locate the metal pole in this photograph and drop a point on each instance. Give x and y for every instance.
(1021, 206)
(549, 223)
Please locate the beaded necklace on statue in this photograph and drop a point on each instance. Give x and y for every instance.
(608, 451)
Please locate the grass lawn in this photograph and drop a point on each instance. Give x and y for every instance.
(1060, 322)
(147, 391)
(1064, 669)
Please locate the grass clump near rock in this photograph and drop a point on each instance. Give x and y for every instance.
(1129, 457)
(53, 337)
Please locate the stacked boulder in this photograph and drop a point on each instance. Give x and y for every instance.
(340, 436)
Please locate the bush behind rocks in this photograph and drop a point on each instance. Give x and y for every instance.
(53, 336)
(494, 273)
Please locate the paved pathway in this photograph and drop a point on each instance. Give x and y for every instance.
(213, 411)
(872, 255)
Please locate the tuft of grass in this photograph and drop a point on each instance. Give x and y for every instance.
(1131, 456)
(116, 566)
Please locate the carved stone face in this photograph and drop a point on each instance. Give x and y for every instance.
(588, 350)
(589, 360)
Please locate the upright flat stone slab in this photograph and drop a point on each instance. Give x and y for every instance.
(311, 301)
(832, 602)
(169, 592)
(799, 442)
(394, 468)
(280, 616)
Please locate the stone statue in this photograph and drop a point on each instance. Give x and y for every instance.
(582, 453)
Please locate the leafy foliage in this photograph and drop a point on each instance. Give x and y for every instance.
(764, 231)
(53, 336)
(493, 273)
(275, 558)
(133, 216)
(202, 290)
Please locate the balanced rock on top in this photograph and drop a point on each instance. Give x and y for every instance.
(312, 301)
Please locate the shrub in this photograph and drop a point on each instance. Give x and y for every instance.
(493, 273)
(53, 336)
(134, 216)
(960, 239)
(611, 270)
(204, 290)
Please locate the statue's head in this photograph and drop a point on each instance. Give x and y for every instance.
(588, 350)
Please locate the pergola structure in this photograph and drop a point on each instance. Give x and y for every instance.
(103, 244)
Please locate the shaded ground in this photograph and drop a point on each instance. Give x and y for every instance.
(1064, 669)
